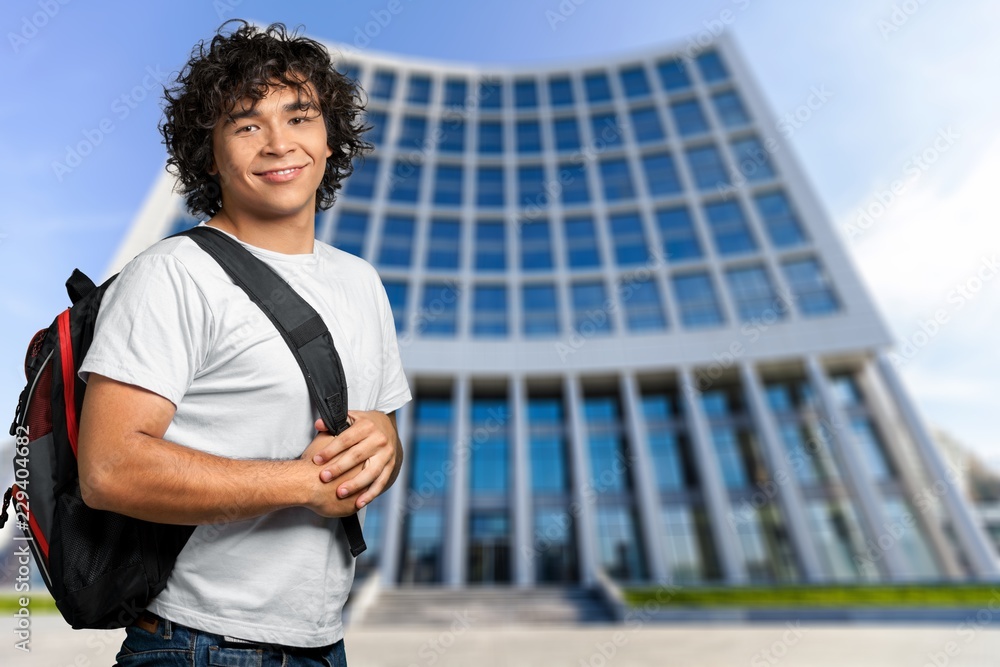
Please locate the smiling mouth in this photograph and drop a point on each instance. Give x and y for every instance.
(280, 175)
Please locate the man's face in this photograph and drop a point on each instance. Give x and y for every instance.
(270, 157)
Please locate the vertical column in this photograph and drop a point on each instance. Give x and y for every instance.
(524, 561)
(714, 488)
(643, 472)
(456, 527)
(582, 508)
(395, 508)
(969, 533)
(856, 476)
(788, 491)
(912, 479)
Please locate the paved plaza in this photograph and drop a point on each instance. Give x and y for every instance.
(462, 644)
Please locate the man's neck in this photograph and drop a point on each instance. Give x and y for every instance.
(289, 237)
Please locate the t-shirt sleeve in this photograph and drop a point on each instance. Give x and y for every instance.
(153, 330)
(395, 391)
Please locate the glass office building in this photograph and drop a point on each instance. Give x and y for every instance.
(635, 342)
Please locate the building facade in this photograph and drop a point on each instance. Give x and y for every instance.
(635, 342)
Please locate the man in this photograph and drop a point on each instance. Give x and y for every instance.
(196, 412)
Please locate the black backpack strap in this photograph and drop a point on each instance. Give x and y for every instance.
(79, 285)
(303, 330)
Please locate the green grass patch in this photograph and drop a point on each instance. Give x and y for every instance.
(39, 602)
(941, 595)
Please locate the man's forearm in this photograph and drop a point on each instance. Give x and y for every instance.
(165, 482)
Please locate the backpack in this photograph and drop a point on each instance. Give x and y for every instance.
(103, 568)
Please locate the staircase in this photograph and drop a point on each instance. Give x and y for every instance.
(438, 606)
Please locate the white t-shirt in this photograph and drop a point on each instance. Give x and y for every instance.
(174, 323)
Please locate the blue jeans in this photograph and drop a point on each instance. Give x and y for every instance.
(156, 641)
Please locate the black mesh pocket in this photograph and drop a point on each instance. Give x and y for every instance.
(91, 543)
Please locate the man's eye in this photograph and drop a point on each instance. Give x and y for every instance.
(245, 129)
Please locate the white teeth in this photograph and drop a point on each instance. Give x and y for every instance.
(283, 171)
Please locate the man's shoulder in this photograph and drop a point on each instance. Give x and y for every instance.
(345, 262)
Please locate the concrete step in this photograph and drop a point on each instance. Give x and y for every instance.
(484, 606)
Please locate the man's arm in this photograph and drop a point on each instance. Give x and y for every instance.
(127, 467)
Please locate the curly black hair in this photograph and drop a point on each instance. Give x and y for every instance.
(242, 65)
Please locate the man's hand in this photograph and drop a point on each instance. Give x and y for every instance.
(363, 460)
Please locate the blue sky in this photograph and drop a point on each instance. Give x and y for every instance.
(901, 74)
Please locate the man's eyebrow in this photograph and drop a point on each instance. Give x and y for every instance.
(287, 108)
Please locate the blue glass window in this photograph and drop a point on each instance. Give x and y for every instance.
(529, 136)
(541, 310)
(707, 166)
(567, 132)
(351, 230)
(377, 119)
(413, 132)
(729, 228)
(397, 241)
(617, 180)
(432, 445)
(383, 85)
(445, 244)
(581, 243)
(489, 186)
(591, 308)
(349, 70)
(404, 186)
(689, 117)
(753, 161)
(452, 135)
(711, 66)
(420, 89)
(490, 137)
(607, 130)
(573, 178)
(661, 174)
(536, 245)
(634, 81)
(673, 75)
(531, 185)
(598, 87)
(455, 92)
(488, 467)
(560, 91)
(422, 560)
(619, 545)
(812, 288)
(437, 315)
(780, 221)
(629, 239)
(872, 451)
(646, 125)
(361, 183)
(643, 309)
(525, 93)
(448, 185)
(489, 310)
(546, 429)
(606, 444)
(730, 109)
(696, 300)
(668, 450)
(491, 248)
(396, 291)
(680, 241)
(753, 294)
(490, 94)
